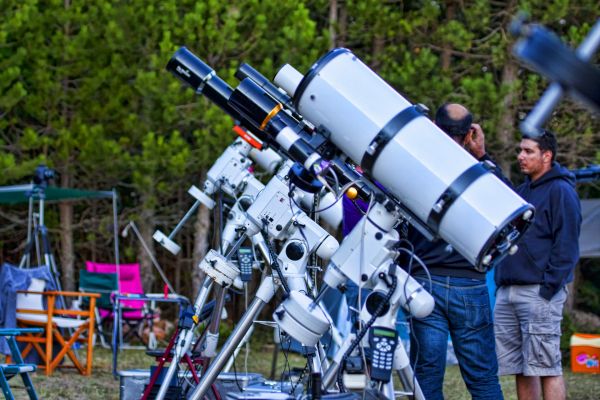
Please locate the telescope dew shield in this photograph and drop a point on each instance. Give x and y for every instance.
(191, 70)
(411, 157)
(246, 71)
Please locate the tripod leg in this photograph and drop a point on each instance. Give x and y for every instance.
(331, 372)
(316, 371)
(407, 378)
(406, 374)
(212, 334)
(323, 356)
(185, 337)
(265, 293)
(275, 354)
(245, 340)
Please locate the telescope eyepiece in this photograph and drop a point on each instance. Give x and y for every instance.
(190, 69)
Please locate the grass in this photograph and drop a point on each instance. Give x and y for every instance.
(103, 386)
(579, 386)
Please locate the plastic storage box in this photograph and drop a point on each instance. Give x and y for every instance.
(132, 383)
(585, 353)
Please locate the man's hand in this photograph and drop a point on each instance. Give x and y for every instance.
(475, 141)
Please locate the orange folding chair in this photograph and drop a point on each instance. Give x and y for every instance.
(63, 326)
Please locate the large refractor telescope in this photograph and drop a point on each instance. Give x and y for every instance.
(442, 184)
(456, 197)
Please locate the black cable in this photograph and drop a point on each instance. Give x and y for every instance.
(217, 215)
(366, 214)
(294, 222)
(293, 385)
(220, 197)
(335, 178)
(314, 260)
(338, 197)
(274, 264)
(413, 256)
(287, 365)
(421, 263)
(237, 383)
(363, 332)
(358, 208)
(410, 319)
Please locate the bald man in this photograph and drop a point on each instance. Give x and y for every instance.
(462, 304)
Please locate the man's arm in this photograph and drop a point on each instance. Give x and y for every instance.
(475, 141)
(566, 225)
(475, 144)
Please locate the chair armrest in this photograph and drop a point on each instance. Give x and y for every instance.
(59, 293)
(31, 292)
(72, 294)
(53, 311)
(170, 296)
(101, 291)
(19, 331)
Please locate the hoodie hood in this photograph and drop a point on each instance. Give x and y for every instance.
(556, 172)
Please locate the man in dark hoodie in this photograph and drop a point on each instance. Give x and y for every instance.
(531, 283)
(462, 304)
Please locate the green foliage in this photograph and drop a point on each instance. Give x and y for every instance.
(588, 296)
(83, 85)
(567, 328)
(588, 290)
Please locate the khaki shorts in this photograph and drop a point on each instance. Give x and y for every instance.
(527, 329)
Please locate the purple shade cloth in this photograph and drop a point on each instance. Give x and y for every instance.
(352, 213)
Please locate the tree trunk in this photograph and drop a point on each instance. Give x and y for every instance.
(333, 20)
(572, 288)
(447, 49)
(201, 246)
(67, 258)
(177, 279)
(342, 24)
(376, 51)
(146, 225)
(66, 208)
(506, 123)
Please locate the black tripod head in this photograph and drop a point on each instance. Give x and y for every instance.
(43, 175)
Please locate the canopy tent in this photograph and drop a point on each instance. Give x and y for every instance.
(42, 193)
(27, 193)
(21, 194)
(589, 239)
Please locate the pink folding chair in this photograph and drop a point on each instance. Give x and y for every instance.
(132, 312)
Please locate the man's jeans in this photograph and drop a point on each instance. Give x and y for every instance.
(462, 309)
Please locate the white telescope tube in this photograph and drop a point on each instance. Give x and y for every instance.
(410, 156)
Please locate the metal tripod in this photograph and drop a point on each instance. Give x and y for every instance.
(36, 233)
(185, 335)
(265, 293)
